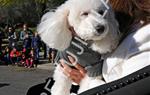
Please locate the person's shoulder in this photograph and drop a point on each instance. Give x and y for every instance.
(144, 29)
(135, 41)
(142, 33)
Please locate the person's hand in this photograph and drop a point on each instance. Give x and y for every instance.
(75, 74)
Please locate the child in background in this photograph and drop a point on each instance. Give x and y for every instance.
(23, 59)
(30, 59)
(14, 56)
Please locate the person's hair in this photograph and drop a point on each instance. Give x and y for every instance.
(129, 13)
(137, 9)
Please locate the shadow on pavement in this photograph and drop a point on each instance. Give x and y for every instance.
(4, 84)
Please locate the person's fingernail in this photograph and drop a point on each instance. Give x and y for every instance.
(71, 59)
(74, 63)
(61, 60)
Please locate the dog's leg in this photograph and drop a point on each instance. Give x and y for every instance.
(90, 82)
(95, 81)
(84, 84)
(73, 94)
(62, 83)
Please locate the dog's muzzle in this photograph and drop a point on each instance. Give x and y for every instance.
(100, 29)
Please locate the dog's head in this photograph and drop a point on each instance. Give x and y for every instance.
(89, 19)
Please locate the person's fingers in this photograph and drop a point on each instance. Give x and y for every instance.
(65, 66)
(71, 59)
(62, 63)
(73, 75)
(77, 66)
(66, 72)
(76, 76)
(76, 79)
(80, 68)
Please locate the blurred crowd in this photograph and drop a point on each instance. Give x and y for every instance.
(23, 47)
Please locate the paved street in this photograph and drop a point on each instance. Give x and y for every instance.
(17, 80)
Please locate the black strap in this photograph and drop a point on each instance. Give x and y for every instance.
(136, 83)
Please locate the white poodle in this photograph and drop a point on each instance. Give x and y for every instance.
(91, 20)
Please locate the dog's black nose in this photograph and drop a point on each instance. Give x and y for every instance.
(100, 29)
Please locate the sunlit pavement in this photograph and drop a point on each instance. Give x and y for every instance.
(47, 66)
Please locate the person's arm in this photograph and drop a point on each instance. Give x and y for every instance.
(21, 35)
(11, 54)
(15, 35)
(138, 55)
(32, 42)
(9, 36)
(136, 62)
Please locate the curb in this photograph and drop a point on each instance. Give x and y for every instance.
(46, 66)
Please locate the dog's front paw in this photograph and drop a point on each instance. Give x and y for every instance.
(62, 83)
(61, 88)
(73, 94)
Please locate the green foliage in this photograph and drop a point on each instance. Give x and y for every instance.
(21, 12)
(55, 3)
(8, 3)
(26, 11)
(41, 1)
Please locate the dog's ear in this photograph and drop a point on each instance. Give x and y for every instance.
(53, 29)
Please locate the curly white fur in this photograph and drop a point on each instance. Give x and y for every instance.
(85, 17)
(62, 84)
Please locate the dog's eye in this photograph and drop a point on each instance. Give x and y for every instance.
(85, 14)
(101, 12)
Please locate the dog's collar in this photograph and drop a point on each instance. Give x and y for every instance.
(89, 42)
